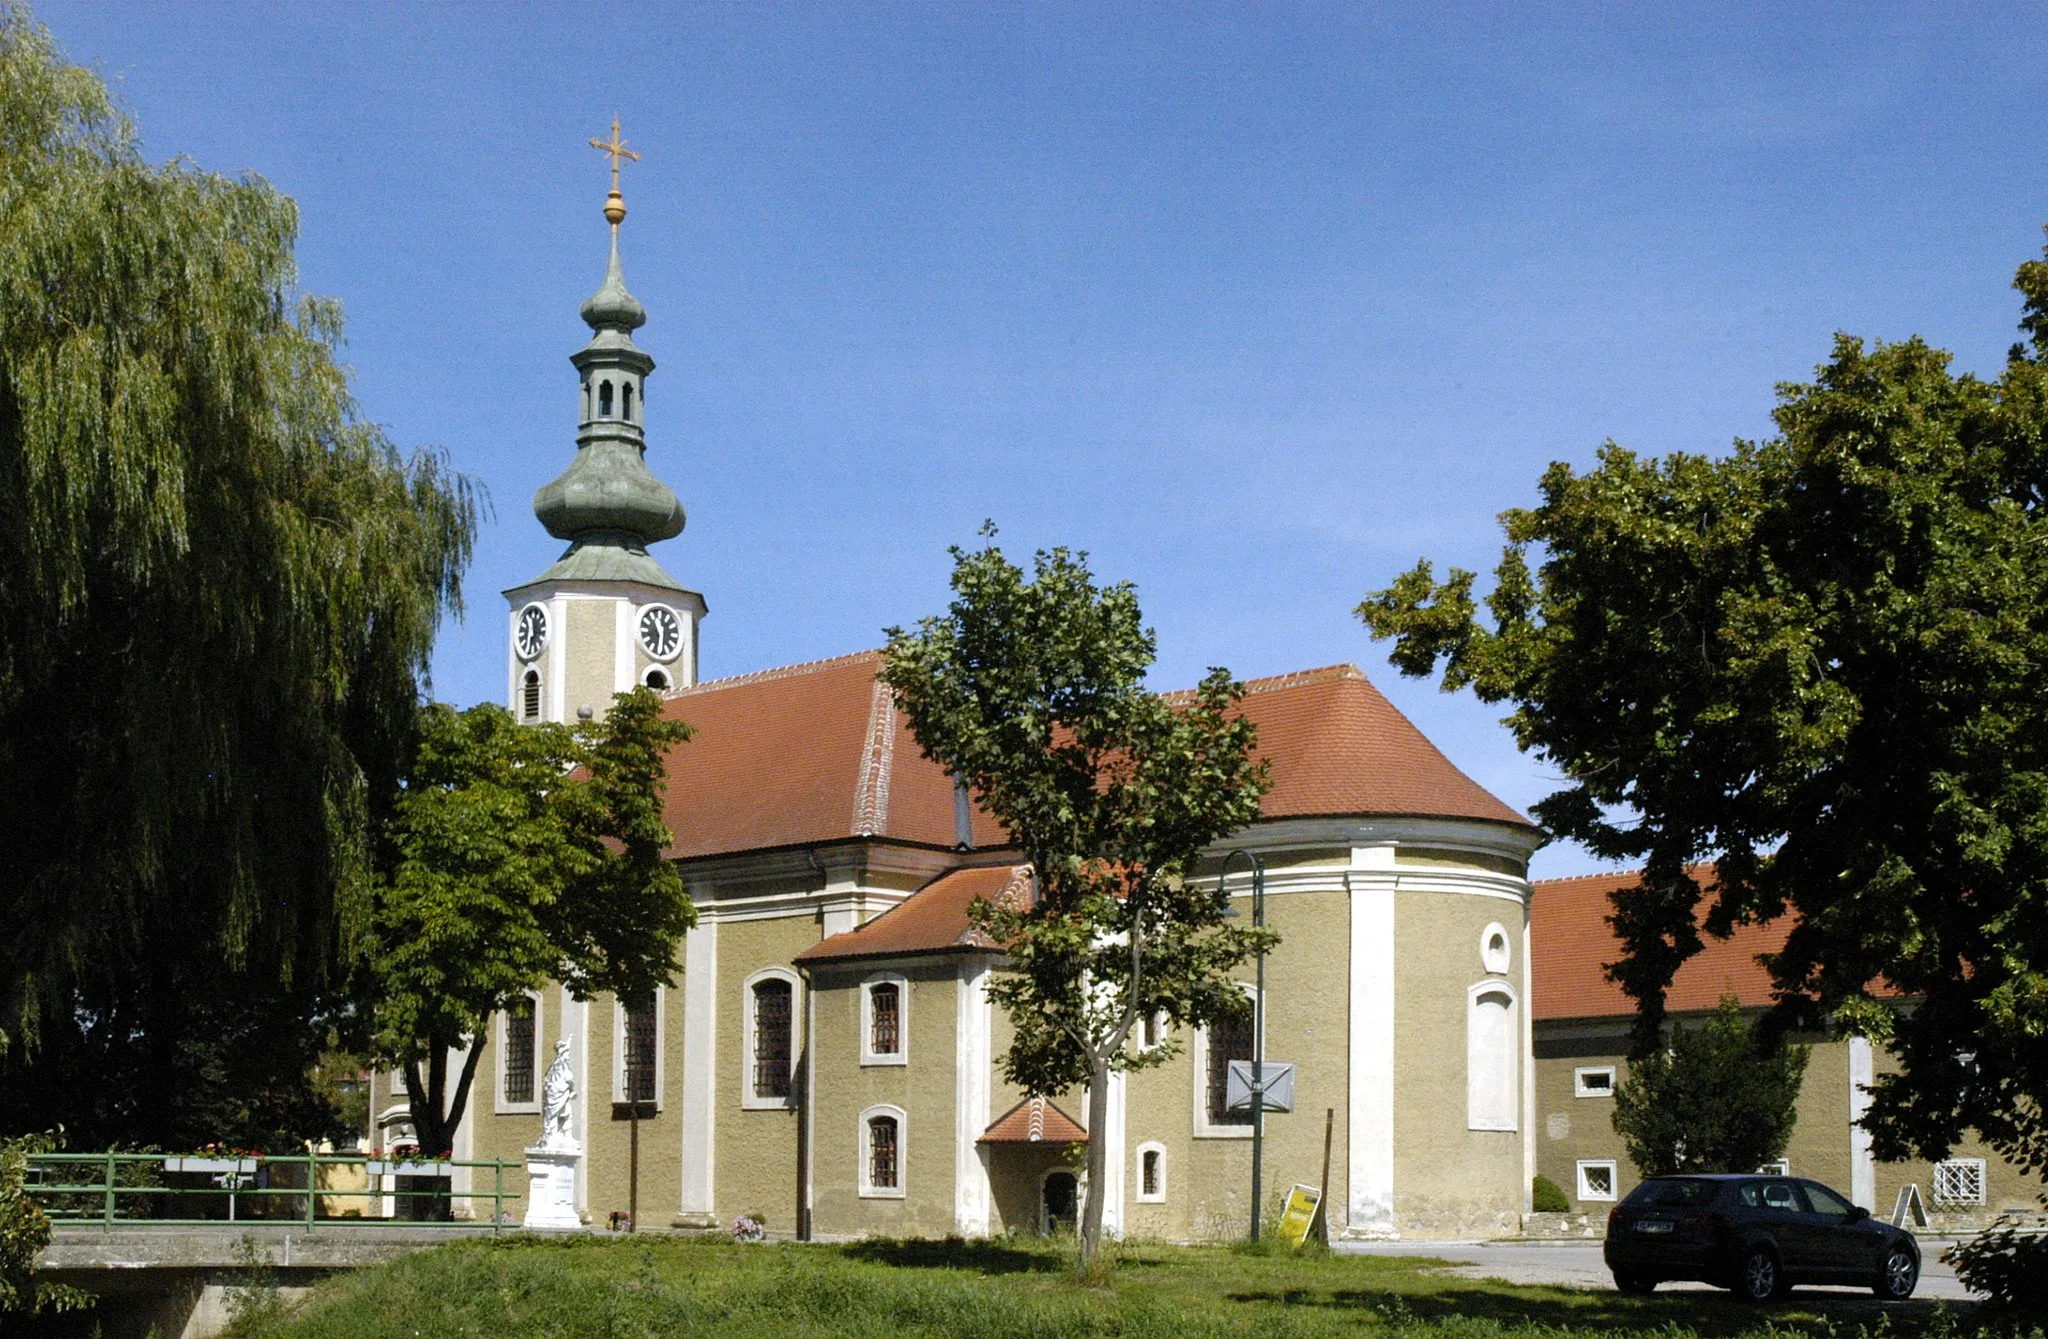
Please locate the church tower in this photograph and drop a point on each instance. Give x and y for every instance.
(606, 616)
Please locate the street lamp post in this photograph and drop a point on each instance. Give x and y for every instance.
(1258, 1022)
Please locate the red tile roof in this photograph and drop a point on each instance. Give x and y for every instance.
(1570, 942)
(1034, 1121)
(931, 920)
(814, 753)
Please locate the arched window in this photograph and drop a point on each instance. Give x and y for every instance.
(770, 1037)
(1223, 1043)
(586, 401)
(639, 1041)
(521, 1041)
(604, 399)
(657, 678)
(530, 695)
(885, 1020)
(626, 402)
(1491, 1044)
(882, 1152)
(1151, 1173)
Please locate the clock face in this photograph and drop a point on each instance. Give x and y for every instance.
(661, 632)
(530, 636)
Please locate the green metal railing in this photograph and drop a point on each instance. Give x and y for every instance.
(305, 1190)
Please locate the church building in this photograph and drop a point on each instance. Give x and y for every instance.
(828, 1060)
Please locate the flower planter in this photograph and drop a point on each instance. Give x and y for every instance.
(375, 1168)
(211, 1166)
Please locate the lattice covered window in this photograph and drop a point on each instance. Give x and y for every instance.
(520, 1022)
(1959, 1181)
(772, 1000)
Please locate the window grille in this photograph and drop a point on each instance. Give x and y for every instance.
(1149, 1178)
(1959, 1181)
(771, 1039)
(1596, 1181)
(640, 1047)
(885, 1018)
(1228, 1041)
(519, 1029)
(882, 1159)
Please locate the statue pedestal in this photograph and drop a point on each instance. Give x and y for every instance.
(551, 1188)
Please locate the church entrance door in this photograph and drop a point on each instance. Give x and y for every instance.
(1062, 1200)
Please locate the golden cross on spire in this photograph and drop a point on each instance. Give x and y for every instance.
(615, 148)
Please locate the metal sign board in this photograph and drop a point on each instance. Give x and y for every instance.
(1300, 1214)
(1277, 1078)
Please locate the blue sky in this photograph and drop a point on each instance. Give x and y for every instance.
(1256, 303)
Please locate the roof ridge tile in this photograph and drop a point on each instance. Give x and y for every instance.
(776, 672)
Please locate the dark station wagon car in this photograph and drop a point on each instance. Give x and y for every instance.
(1758, 1235)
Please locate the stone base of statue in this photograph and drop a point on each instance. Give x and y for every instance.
(551, 1188)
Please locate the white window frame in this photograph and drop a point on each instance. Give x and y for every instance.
(869, 1191)
(868, 1055)
(1162, 1029)
(748, 1100)
(1781, 1167)
(1138, 1168)
(1492, 959)
(1586, 1191)
(397, 1084)
(1949, 1169)
(660, 1046)
(505, 1108)
(1200, 1050)
(1580, 1088)
(1479, 990)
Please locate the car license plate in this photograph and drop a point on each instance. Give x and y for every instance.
(1654, 1225)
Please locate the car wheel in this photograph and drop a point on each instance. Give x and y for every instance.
(1635, 1285)
(1897, 1275)
(1758, 1278)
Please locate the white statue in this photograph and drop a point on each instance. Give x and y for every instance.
(557, 1094)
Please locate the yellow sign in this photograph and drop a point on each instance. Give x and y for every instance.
(1299, 1215)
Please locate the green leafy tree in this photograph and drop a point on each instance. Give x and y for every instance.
(218, 584)
(520, 854)
(24, 1231)
(1032, 691)
(1822, 660)
(1722, 1096)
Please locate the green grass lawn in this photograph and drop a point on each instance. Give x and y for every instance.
(626, 1288)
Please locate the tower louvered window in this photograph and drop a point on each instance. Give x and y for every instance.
(771, 1038)
(530, 703)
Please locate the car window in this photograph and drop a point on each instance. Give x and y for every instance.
(1780, 1195)
(1751, 1195)
(1671, 1193)
(1824, 1201)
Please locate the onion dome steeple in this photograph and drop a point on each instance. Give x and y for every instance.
(607, 503)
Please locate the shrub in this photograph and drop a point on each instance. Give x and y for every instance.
(2007, 1264)
(24, 1231)
(1546, 1196)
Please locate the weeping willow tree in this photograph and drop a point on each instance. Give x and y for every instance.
(218, 584)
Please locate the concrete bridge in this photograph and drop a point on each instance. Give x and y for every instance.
(180, 1281)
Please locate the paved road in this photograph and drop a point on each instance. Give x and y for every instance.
(1578, 1265)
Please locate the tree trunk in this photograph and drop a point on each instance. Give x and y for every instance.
(1098, 1160)
(434, 1116)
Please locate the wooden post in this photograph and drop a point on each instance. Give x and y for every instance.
(1322, 1223)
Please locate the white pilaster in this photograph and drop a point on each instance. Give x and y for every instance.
(557, 655)
(1862, 1162)
(1528, 1064)
(700, 1074)
(1370, 1167)
(622, 645)
(579, 1010)
(971, 1067)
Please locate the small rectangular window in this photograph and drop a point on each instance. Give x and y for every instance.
(1597, 1180)
(1593, 1081)
(1782, 1167)
(1150, 1179)
(1959, 1181)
